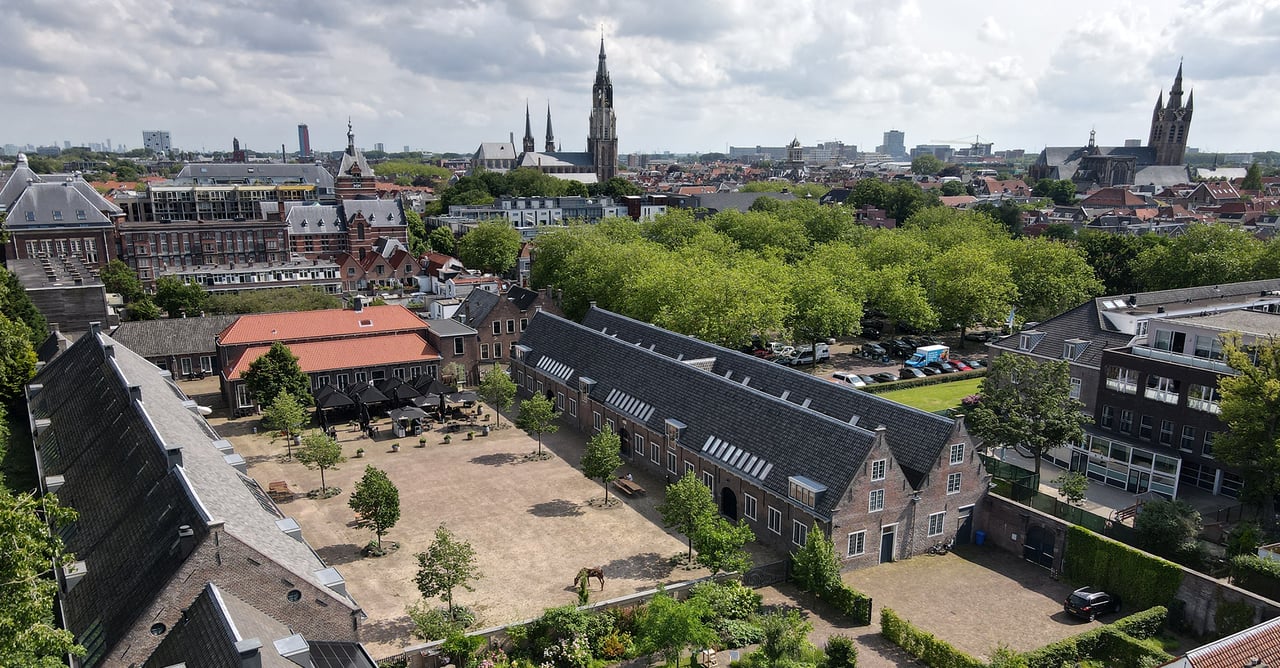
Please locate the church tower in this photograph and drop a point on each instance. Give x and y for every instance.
(1170, 124)
(602, 138)
(551, 138)
(355, 177)
(528, 130)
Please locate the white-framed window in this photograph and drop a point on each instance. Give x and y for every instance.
(560, 401)
(1122, 380)
(458, 344)
(484, 351)
(1188, 438)
(775, 520)
(655, 452)
(875, 502)
(953, 483)
(1076, 386)
(524, 324)
(361, 376)
(511, 326)
(595, 420)
(206, 363)
(1204, 398)
(957, 453)
(749, 506)
(857, 543)
(243, 398)
(343, 381)
(1126, 420)
(799, 532)
(1162, 389)
(709, 479)
(497, 351)
(1208, 445)
(673, 462)
(185, 365)
(497, 327)
(689, 467)
(637, 445)
(937, 522)
(398, 372)
(613, 426)
(321, 381)
(1108, 417)
(573, 407)
(1166, 432)
(519, 379)
(878, 468)
(541, 388)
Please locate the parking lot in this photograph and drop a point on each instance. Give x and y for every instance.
(846, 357)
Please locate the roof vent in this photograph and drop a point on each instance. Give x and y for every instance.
(236, 462)
(295, 649)
(53, 483)
(290, 528)
(331, 578)
(72, 574)
(186, 541)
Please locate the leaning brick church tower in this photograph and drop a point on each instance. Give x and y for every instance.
(1170, 124)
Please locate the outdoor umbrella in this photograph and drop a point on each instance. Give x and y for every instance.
(386, 385)
(422, 401)
(429, 385)
(402, 393)
(366, 393)
(462, 397)
(332, 398)
(407, 413)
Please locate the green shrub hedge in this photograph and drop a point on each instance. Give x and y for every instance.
(920, 382)
(1258, 575)
(1140, 579)
(1143, 625)
(924, 646)
(1106, 645)
(850, 602)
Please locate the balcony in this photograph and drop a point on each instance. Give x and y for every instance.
(1185, 360)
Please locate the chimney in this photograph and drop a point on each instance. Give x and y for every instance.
(186, 541)
(110, 351)
(95, 328)
(135, 391)
(53, 328)
(250, 657)
(295, 649)
(174, 455)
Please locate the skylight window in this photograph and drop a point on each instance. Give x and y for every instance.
(366, 323)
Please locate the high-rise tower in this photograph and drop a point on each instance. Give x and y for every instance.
(602, 138)
(1171, 123)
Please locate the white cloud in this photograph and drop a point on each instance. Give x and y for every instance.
(992, 32)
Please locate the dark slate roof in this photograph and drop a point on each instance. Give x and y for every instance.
(379, 212)
(354, 157)
(1067, 158)
(476, 307)
(556, 159)
(916, 438)
(523, 298)
(43, 200)
(1082, 322)
(133, 496)
(715, 202)
(305, 219)
(175, 336)
(205, 173)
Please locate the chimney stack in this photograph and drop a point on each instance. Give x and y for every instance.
(186, 541)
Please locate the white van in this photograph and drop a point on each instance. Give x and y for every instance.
(848, 378)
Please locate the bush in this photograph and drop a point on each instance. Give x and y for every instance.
(462, 648)
(924, 646)
(735, 633)
(879, 388)
(434, 623)
(1110, 645)
(1140, 579)
(849, 602)
(1258, 575)
(1167, 528)
(1145, 624)
(1244, 538)
(727, 599)
(841, 652)
(1232, 617)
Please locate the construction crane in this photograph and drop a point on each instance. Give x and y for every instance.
(963, 141)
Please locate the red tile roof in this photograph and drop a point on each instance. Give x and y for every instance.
(268, 327)
(1235, 651)
(317, 356)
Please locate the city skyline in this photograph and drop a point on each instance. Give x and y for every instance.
(696, 78)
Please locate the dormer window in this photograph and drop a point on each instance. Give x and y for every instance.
(1072, 349)
(1028, 340)
(805, 491)
(57, 214)
(80, 215)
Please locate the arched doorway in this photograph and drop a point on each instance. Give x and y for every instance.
(729, 504)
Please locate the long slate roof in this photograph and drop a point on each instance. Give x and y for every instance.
(173, 336)
(42, 200)
(915, 437)
(379, 212)
(111, 447)
(207, 173)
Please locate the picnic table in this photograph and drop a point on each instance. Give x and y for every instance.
(279, 490)
(628, 487)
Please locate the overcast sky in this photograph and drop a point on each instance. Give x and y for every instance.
(445, 75)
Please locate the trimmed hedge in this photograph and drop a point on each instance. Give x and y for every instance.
(922, 645)
(850, 602)
(920, 382)
(1258, 575)
(1140, 579)
(1123, 643)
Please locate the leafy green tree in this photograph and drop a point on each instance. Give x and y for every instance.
(667, 627)
(538, 414)
(1061, 191)
(841, 652)
(618, 187)
(17, 305)
(17, 358)
(497, 388)
(786, 640)
(320, 451)
(1206, 254)
(673, 229)
(814, 567)
(1050, 277)
(823, 306)
(600, 458)
(285, 414)
(720, 544)
(121, 279)
(687, 504)
(953, 188)
(143, 309)
(1059, 232)
(822, 224)
(1167, 527)
(1250, 403)
(1252, 178)
(178, 297)
(377, 501)
(869, 192)
(441, 240)
(1027, 405)
(277, 371)
(926, 164)
(417, 232)
(905, 199)
(1113, 257)
(1072, 487)
(29, 635)
(968, 286)
(492, 246)
(448, 564)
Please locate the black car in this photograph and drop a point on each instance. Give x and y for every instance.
(943, 367)
(1089, 602)
(873, 351)
(909, 372)
(869, 380)
(929, 371)
(884, 377)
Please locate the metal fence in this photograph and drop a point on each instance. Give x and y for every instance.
(1011, 480)
(1023, 486)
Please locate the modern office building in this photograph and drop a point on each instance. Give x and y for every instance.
(156, 140)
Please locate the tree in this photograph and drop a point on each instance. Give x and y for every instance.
(274, 372)
(1072, 487)
(814, 566)
(377, 501)
(687, 504)
(1167, 527)
(1252, 178)
(17, 358)
(1027, 405)
(17, 305)
(618, 187)
(417, 232)
(823, 306)
(667, 626)
(600, 458)
(926, 164)
(1050, 277)
(953, 188)
(121, 279)
(28, 634)
(491, 246)
(285, 414)
(143, 309)
(320, 451)
(498, 389)
(538, 414)
(448, 564)
(719, 543)
(785, 639)
(1250, 406)
(441, 240)
(178, 297)
(1112, 257)
(969, 285)
(1206, 254)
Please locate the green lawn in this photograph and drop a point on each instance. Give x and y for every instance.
(935, 397)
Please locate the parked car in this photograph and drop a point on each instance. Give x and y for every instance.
(960, 365)
(929, 371)
(869, 380)
(848, 379)
(900, 348)
(907, 373)
(884, 377)
(1089, 602)
(942, 367)
(873, 351)
(982, 337)
(976, 363)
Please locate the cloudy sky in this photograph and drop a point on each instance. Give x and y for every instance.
(445, 75)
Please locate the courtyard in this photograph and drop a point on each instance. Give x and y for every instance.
(533, 524)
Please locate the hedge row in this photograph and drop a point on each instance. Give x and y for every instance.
(1109, 645)
(850, 602)
(1140, 579)
(1258, 575)
(919, 382)
(923, 645)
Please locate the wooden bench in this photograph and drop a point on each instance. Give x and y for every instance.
(628, 487)
(279, 490)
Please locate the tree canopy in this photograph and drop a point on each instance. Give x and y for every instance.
(17, 305)
(17, 358)
(492, 246)
(178, 297)
(29, 635)
(687, 506)
(538, 414)
(121, 279)
(927, 163)
(323, 452)
(448, 564)
(1027, 405)
(277, 371)
(1250, 408)
(497, 388)
(601, 458)
(377, 501)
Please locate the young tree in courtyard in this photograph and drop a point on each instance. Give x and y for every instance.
(448, 564)
(320, 451)
(1250, 406)
(687, 505)
(719, 543)
(274, 372)
(538, 414)
(1027, 405)
(1072, 487)
(29, 635)
(814, 566)
(667, 626)
(179, 297)
(377, 501)
(285, 414)
(121, 279)
(600, 458)
(498, 389)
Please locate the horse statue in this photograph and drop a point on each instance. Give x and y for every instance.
(587, 573)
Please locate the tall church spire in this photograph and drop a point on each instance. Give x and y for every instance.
(528, 130)
(1171, 124)
(1175, 93)
(551, 137)
(602, 137)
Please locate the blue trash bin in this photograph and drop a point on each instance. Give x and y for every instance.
(979, 537)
